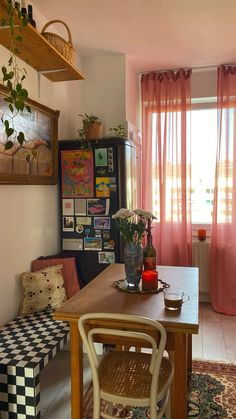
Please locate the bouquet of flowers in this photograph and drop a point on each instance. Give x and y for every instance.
(133, 224)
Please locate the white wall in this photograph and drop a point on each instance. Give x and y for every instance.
(204, 83)
(103, 90)
(29, 213)
(131, 94)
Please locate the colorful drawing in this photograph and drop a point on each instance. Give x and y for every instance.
(102, 186)
(98, 206)
(77, 173)
(101, 157)
(101, 222)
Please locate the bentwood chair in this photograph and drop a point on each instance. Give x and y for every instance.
(134, 379)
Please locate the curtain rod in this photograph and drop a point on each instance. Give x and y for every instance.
(194, 69)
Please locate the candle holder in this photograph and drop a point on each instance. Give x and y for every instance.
(149, 280)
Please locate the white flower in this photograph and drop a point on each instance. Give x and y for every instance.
(123, 213)
(143, 213)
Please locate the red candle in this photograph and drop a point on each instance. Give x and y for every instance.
(201, 235)
(149, 280)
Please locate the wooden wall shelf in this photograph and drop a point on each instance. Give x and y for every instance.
(36, 51)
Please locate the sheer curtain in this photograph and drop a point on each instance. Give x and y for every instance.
(223, 239)
(166, 163)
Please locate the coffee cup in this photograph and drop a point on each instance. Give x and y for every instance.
(173, 300)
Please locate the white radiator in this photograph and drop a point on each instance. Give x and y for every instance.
(201, 259)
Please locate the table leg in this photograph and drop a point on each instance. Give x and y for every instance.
(76, 372)
(179, 386)
(189, 353)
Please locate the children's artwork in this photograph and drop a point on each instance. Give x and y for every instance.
(101, 157)
(68, 207)
(106, 257)
(92, 243)
(68, 223)
(77, 173)
(72, 244)
(101, 223)
(80, 206)
(98, 206)
(83, 220)
(102, 186)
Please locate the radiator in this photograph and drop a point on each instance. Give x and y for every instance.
(201, 259)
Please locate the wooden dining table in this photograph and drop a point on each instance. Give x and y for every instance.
(101, 296)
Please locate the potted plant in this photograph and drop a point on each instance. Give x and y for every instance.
(118, 131)
(92, 126)
(13, 76)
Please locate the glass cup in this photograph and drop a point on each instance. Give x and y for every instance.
(174, 300)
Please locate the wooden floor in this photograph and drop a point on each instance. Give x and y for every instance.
(216, 341)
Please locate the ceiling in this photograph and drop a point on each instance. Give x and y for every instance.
(154, 34)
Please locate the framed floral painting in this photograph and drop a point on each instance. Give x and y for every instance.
(36, 161)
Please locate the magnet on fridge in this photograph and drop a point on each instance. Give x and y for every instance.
(79, 228)
(87, 231)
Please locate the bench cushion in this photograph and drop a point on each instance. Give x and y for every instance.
(42, 290)
(69, 271)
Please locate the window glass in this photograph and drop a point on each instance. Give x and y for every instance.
(203, 160)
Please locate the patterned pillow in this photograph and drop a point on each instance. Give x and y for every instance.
(42, 290)
(69, 271)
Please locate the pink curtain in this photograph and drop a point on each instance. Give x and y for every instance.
(166, 163)
(223, 239)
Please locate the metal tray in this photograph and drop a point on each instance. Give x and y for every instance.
(122, 285)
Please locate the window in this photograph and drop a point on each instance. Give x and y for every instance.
(203, 160)
(203, 137)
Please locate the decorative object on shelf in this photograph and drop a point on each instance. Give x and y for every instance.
(201, 235)
(13, 76)
(132, 225)
(149, 280)
(35, 161)
(30, 15)
(118, 131)
(122, 285)
(64, 47)
(92, 127)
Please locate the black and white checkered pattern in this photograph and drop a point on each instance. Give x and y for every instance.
(26, 346)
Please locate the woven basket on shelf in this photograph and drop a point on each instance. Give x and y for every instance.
(64, 47)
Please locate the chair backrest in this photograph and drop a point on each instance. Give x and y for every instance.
(114, 325)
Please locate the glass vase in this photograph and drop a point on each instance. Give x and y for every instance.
(133, 260)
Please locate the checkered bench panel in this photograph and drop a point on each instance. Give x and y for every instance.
(26, 346)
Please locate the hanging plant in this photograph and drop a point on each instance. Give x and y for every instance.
(13, 76)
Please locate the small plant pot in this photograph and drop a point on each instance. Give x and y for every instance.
(94, 131)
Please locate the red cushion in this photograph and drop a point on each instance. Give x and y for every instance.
(69, 272)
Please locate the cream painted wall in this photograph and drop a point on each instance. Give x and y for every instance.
(131, 94)
(103, 90)
(204, 83)
(29, 213)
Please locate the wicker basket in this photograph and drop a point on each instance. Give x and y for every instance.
(64, 47)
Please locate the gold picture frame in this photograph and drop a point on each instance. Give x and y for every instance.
(36, 162)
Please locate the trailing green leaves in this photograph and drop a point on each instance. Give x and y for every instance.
(13, 76)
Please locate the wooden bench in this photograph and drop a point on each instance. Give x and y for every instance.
(27, 344)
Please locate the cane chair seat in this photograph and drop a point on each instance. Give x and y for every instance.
(127, 374)
(125, 377)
